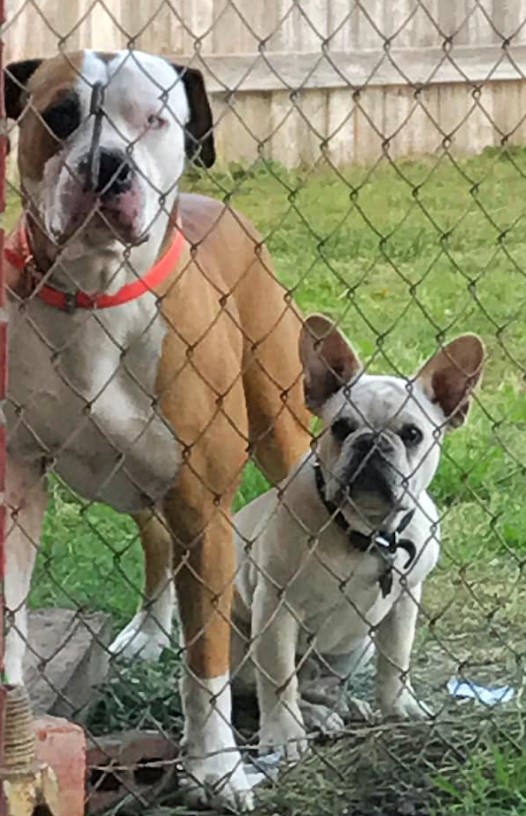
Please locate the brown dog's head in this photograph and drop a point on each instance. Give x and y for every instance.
(154, 114)
(383, 434)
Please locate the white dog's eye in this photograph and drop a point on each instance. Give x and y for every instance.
(411, 435)
(342, 428)
(156, 122)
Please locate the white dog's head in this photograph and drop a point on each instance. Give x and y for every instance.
(111, 189)
(381, 444)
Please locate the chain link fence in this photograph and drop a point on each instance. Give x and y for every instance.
(184, 441)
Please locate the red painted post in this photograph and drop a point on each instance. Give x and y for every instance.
(3, 389)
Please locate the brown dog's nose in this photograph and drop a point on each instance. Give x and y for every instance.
(114, 175)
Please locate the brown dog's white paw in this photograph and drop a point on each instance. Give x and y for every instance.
(211, 760)
(142, 639)
(220, 782)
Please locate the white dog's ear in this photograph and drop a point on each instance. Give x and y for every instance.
(451, 375)
(329, 362)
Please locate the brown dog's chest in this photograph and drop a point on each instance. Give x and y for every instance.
(82, 396)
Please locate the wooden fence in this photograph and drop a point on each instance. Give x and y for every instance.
(297, 81)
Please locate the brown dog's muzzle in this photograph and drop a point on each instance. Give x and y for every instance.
(114, 174)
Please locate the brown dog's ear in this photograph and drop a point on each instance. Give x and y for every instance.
(451, 375)
(329, 362)
(199, 136)
(16, 76)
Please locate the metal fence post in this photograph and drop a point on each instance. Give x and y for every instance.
(3, 384)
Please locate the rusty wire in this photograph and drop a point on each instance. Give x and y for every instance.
(444, 647)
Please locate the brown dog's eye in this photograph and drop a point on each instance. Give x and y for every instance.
(342, 428)
(156, 122)
(411, 435)
(63, 118)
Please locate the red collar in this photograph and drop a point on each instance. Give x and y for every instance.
(22, 258)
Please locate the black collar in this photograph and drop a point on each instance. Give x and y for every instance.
(381, 543)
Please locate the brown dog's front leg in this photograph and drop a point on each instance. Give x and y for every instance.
(149, 631)
(205, 566)
(27, 502)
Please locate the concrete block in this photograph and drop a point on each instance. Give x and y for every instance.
(65, 659)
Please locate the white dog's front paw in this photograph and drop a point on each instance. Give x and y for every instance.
(142, 638)
(220, 781)
(347, 707)
(330, 694)
(321, 719)
(284, 730)
(358, 709)
(404, 706)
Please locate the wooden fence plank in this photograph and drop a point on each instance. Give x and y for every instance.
(324, 63)
(417, 66)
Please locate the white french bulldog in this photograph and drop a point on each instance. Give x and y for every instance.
(332, 564)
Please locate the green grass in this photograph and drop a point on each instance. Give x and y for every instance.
(399, 258)
(402, 257)
(493, 782)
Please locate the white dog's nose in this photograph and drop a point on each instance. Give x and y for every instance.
(371, 441)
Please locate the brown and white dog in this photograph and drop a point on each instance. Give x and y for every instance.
(154, 398)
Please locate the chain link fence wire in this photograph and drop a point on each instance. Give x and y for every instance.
(378, 150)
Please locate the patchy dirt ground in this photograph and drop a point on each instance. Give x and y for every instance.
(386, 769)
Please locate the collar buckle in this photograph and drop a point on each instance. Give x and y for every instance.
(30, 264)
(70, 302)
(387, 541)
